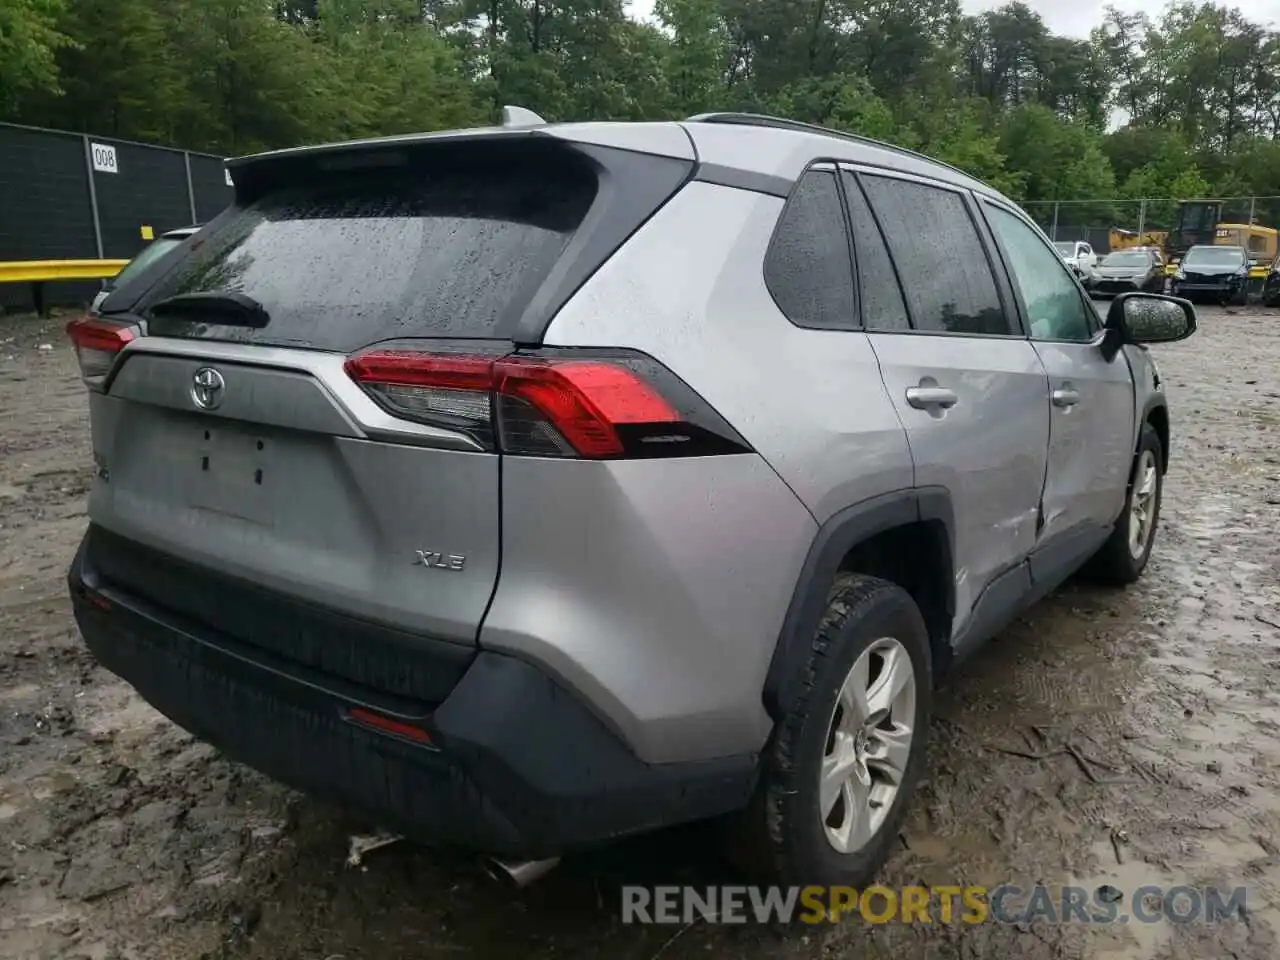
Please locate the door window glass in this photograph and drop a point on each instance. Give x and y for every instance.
(1055, 308)
(939, 255)
(882, 305)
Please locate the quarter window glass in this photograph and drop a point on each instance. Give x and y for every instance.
(1054, 306)
(938, 252)
(881, 297)
(808, 269)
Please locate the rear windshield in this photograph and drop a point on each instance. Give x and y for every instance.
(1066, 249)
(344, 263)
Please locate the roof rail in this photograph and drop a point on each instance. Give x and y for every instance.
(782, 123)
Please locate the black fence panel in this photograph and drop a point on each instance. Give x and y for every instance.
(147, 189)
(44, 197)
(44, 206)
(209, 182)
(47, 209)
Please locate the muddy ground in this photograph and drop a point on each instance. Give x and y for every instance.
(1118, 738)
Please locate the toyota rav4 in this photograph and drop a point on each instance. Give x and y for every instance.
(526, 487)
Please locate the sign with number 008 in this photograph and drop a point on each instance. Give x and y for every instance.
(104, 158)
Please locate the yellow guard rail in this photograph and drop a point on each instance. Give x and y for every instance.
(39, 272)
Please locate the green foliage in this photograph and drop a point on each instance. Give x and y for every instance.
(844, 103)
(694, 60)
(1189, 185)
(30, 37)
(1196, 88)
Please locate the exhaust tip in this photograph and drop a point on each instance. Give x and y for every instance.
(519, 873)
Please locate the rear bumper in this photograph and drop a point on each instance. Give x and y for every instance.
(517, 766)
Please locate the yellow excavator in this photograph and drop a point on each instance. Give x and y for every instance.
(1199, 222)
(1121, 239)
(1261, 242)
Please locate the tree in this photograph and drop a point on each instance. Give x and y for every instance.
(121, 75)
(29, 41)
(996, 94)
(695, 60)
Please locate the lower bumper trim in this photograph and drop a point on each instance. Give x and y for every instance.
(517, 766)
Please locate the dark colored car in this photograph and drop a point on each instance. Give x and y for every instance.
(1212, 272)
(1125, 271)
(1271, 287)
(156, 249)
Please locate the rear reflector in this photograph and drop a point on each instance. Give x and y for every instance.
(97, 342)
(591, 407)
(93, 596)
(383, 724)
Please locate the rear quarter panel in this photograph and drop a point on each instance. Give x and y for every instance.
(689, 290)
(671, 598)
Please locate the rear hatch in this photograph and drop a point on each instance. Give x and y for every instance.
(254, 478)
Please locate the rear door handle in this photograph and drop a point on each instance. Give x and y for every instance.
(926, 398)
(1065, 397)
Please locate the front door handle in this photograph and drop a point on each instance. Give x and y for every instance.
(927, 398)
(1065, 397)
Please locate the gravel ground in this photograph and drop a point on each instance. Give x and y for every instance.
(1118, 738)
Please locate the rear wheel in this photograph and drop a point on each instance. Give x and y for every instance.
(1125, 554)
(840, 769)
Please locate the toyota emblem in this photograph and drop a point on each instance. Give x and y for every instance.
(207, 388)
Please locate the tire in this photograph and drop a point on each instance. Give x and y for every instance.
(782, 837)
(1241, 299)
(1119, 562)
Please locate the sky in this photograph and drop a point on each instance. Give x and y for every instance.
(1075, 17)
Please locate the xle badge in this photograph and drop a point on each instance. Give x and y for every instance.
(438, 561)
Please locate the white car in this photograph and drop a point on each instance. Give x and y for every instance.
(1080, 256)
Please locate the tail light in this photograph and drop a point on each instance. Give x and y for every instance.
(97, 342)
(592, 406)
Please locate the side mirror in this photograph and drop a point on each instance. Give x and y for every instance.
(1150, 318)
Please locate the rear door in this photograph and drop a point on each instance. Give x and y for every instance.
(1091, 393)
(969, 388)
(238, 442)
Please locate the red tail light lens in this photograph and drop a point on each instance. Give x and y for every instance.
(593, 408)
(585, 401)
(97, 342)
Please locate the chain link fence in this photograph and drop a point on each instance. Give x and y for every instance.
(1147, 221)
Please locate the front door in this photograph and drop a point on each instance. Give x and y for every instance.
(1091, 398)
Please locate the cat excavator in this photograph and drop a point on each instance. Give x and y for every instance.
(1121, 239)
(1200, 222)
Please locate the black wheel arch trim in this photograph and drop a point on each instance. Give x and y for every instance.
(840, 533)
(1157, 401)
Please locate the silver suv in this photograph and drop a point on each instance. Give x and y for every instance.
(523, 488)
